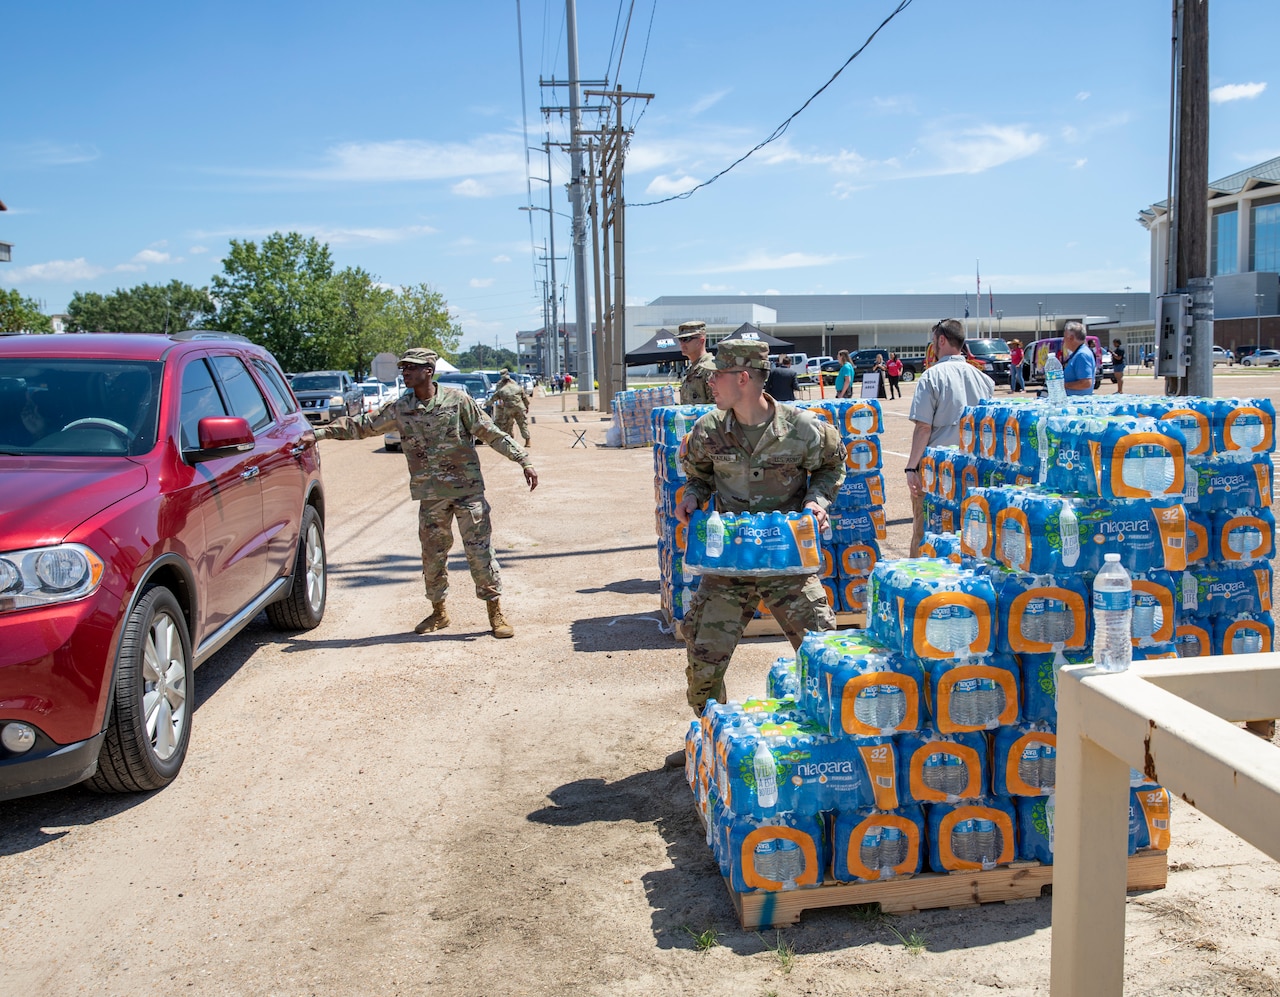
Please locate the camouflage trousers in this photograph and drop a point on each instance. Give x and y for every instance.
(435, 533)
(721, 609)
(507, 415)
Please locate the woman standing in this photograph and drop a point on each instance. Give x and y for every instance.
(1015, 366)
(844, 379)
(882, 369)
(894, 369)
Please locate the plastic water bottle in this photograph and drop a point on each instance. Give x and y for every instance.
(893, 849)
(891, 707)
(957, 777)
(1145, 610)
(715, 535)
(789, 861)
(1069, 532)
(1053, 380)
(1112, 616)
(1048, 765)
(1057, 622)
(934, 772)
(1029, 765)
(1246, 641)
(766, 776)
(766, 859)
(869, 850)
(866, 706)
(1244, 540)
(1033, 624)
(1013, 542)
(988, 841)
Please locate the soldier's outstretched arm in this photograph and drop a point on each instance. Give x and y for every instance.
(482, 428)
(361, 426)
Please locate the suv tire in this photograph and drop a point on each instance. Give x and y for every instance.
(303, 607)
(908, 375)
(150, 723)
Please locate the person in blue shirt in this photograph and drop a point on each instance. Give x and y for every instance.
(846, 375)
(1078, 362)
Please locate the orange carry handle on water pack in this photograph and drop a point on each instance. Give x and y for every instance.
(908, 837)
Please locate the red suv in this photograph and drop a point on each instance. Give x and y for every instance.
(159, 492)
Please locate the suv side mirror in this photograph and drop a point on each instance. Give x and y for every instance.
(221, 436)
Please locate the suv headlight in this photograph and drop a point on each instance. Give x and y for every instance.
(337, 401)
(42, 576)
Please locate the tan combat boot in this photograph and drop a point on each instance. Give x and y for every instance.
(438, 620)
(501, 628)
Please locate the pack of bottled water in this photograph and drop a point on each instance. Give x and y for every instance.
(1231, 481)
(859, 491)
(932, 609)
(1225, 589)
(857, 526)
(942, 768)
(976, 834)
(1024, 760)
(1116, 456)
(773, 855)
(1041, 614)
(973, 694)
(872, 845)
(1245, 633)
(1242, 534)
(942, 545)
(633, 412)
(1035, 828)
(866, 694)
(1149, 807)
(862, 455)
(1039, 681)
(764, 543)
(783, 679)
(671, 423)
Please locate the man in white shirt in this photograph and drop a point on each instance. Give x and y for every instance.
(941, 393)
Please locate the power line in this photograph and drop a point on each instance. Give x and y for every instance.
(643, 55)
(778, 132)
(524, 116)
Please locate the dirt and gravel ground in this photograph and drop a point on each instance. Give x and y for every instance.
(365, 811)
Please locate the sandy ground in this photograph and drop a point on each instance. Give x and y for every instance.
(365, 811)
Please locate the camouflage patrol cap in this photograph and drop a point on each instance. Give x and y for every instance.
(741, 354)
(420, 355)
(688, 330)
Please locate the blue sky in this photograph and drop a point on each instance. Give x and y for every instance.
(137, 139)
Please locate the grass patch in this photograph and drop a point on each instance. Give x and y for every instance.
(784, 953)
(914, 943)
(703, 940)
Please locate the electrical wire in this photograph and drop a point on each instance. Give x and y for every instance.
(524, 117)
(778, 132)
(635, 119)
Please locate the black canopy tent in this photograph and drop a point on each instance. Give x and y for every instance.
(749, 331)
(663, 347)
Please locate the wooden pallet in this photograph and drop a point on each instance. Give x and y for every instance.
(767, 626)
(1148, 870)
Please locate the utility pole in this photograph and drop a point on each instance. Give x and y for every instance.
(1189, 228)
(553, 353)
(613, 146)
(586, 367)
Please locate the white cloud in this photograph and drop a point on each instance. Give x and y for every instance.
(502, 258)
(471, 188)
(406, 159)
(714, 288)
(53, 272)
(709, 100)
(976, 150)
(1083, 95)
(197, 250)
(150, 256)
(664, 186)
(1053, 281)
(1235, 91)
(1078, 163)
(481, 282)
(761, 260)
(894, 105)
(43, 153)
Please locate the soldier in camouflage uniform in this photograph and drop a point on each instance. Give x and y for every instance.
(438, 427)
(510, 405)
(695, 386)
(753, 455)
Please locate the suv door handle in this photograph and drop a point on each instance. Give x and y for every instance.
(297, 451)
(249, 472)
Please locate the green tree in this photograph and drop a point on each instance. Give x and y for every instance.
(172, 307)
(19, 314)
(282, 295)
(419, 316)
(487, 358)
(366, 317)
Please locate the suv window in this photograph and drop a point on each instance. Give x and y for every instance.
(987, 347)
(318, 382)
(200, 398)
(276, 387)
(476, 385)
(246, 400)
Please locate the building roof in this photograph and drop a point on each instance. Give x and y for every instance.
(1263, 175)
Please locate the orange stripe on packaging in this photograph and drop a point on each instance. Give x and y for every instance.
(747, 857)
(910, 833)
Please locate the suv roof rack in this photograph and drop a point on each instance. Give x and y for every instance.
(187, 335)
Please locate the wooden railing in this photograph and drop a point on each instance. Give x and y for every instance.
(1174, 721)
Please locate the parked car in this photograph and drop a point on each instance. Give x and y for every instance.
(991, 356)
(161, 491)
(327, 394)
(376, 394)
(1035, 356)
(1108, 368)
(1262, 358)
(864, 361)
(814, 365)
(1222, 355)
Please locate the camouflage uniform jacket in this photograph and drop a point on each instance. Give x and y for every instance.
(437, 437)
(510, 394)
(799, 460)
(694, 387)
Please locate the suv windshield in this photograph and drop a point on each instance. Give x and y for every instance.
(987, 347)
(474, 385)
(317, 382)
(87, 408)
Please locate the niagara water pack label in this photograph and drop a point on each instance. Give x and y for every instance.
(1024, 760)
(859, 490)
(872, 845)
(1234, 482)
(1149, 817)
(766, 543)
(1227, 590)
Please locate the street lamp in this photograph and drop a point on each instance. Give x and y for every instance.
(826, 347)
(999, 321)
(1039, 316)
(1257, 320)
(1120, 311)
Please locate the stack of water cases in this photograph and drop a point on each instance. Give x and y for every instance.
(633, 413)
(852, 548)
(847, 552)
(669, 426)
